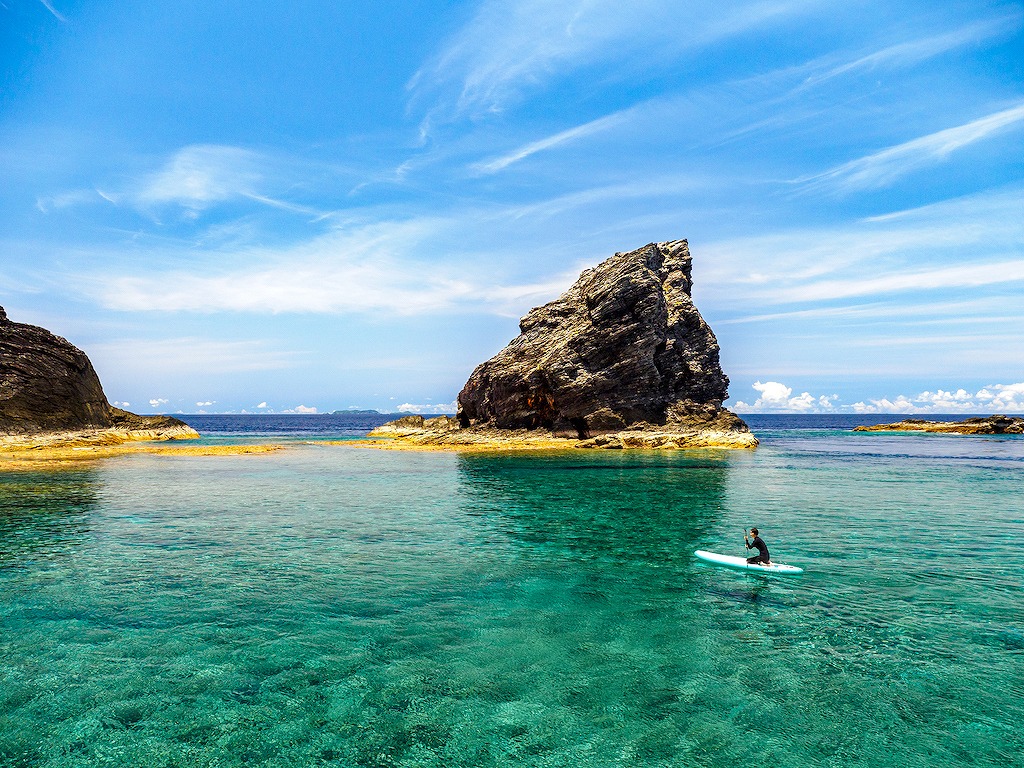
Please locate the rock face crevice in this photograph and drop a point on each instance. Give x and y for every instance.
(623, 348)
(47, 385)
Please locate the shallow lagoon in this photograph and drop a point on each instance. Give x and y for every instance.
(338, 606)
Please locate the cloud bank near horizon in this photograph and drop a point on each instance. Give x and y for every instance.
(776, 397)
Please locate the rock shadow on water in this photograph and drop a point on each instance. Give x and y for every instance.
(42, 515)
(641, 509)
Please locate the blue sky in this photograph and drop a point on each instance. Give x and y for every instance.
(286, 206)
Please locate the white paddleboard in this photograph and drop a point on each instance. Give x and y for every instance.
(731, 561)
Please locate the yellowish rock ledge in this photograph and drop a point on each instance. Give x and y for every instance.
(444, 437)
(69, 449)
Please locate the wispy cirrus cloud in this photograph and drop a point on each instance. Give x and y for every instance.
(198, 177)
(56, 14)
(945, 313)
(882, 168)
(511, 44)
(362, 269)
(650, 187)
(201, 174)
(182, 355)
(973, 275)
(339, 288)
(510, 47)
(392, 266)
(908, 52)
(563, 137)
(72, 198)
(783, 98)
(963, 243)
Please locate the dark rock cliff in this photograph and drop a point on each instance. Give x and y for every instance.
(624, 347)
(48, 385)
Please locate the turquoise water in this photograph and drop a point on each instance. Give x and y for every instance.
(336, 606)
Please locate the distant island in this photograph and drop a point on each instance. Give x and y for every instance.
(979, 425)
(623, 359)
(356, 412)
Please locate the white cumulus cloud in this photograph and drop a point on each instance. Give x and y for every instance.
(158, 401)
(428, 408)
(301, 409)
(1006, 397)
(994, 398)
(776, 396)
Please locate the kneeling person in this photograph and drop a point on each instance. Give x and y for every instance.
(762, 557)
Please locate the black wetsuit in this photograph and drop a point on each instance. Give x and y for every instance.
(762, 551)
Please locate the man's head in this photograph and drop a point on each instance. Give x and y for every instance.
(753, 531)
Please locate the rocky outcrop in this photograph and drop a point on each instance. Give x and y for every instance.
(981, 425)
(414, 425)
(449, 434)
(625, 345)
(47, 385)
(622, 359)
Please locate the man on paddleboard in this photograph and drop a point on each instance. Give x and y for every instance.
(762, 557)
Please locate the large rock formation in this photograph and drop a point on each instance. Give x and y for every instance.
(624, 346)
(622, 359)
(48, 385)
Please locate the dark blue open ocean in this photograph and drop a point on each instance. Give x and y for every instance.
(358, 424)
(329, 605)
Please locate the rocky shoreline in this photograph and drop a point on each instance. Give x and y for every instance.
(78, 449)
(982, 425)
(445, 432)
(95, 437)
(153, 435)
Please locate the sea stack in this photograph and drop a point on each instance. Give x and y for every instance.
(625, 345)
(622, 359)
(47, 385)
